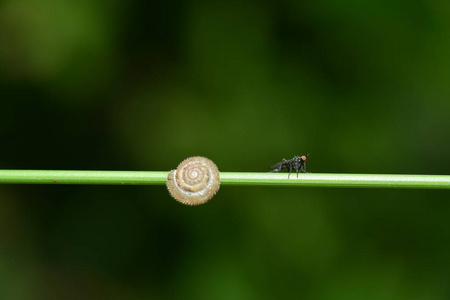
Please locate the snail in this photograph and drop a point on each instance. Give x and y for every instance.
(195, 181)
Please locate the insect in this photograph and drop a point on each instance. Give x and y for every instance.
(298, 163)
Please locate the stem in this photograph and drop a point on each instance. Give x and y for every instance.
(228, 178)
(339, 180)
(82, 177)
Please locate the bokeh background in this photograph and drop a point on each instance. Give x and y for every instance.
(363, 86)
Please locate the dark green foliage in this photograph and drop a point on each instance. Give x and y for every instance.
(140, 85)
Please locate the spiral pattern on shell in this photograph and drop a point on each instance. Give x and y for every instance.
(195, 181)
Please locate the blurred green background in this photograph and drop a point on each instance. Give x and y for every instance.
(363, 86)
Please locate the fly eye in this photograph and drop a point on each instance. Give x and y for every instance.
(304, 158)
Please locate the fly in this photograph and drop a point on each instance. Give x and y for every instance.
(298, 163)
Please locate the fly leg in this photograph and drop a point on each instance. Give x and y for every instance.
(303, 167)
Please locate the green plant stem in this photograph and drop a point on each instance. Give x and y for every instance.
(339, 180)
(82, 177)
(228, 178)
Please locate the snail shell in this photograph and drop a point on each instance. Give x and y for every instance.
(195, 181)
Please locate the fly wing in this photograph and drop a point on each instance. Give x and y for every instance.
(275, 166)
(279, 165)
